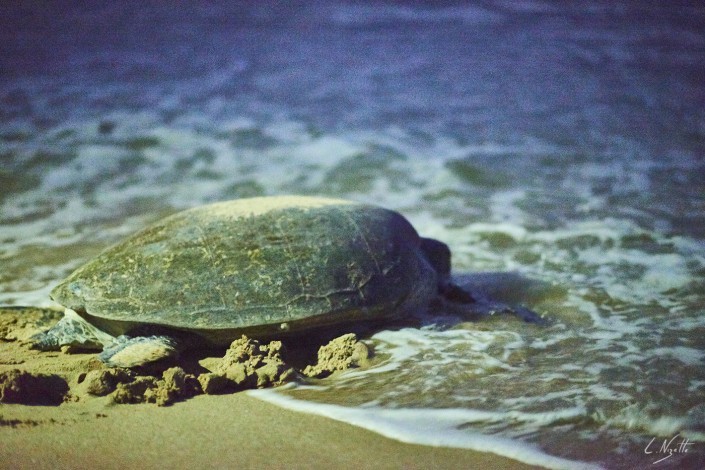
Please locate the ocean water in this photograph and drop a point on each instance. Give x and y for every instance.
(558, 149)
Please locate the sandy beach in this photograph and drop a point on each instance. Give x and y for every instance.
(206, 431)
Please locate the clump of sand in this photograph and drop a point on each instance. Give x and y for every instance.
(248, 364)
(174, 385)
(125, 386)
(17, 386)
(344, 352)
(102, 382)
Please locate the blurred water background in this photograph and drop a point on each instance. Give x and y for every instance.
(558, 147)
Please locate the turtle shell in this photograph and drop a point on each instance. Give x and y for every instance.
(257, 265)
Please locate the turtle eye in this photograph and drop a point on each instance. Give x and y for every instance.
(75, 288)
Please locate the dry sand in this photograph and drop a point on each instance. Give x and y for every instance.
(231, 430)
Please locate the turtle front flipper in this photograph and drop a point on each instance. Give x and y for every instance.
(526, 314)
(71, 330)
(139, 350)
(459, 301)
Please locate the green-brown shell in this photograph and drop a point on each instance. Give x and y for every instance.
(258, 263)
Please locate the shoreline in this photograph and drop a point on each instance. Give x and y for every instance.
(205, 431)
(208, 432)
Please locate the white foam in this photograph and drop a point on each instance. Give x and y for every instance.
(661, 273)
(439, 428)
(688, 356)
(547, 397)
(503, 205)
(422, 346)
(635, 417)
(36, 298)
(515, 231)
(603, 392)
(696, 386)
(362, 14)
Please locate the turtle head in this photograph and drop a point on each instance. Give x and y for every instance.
(438, 255)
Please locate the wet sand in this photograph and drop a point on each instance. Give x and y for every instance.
(206, 431)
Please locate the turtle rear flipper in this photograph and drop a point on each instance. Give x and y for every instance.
(139, 350)
(71, 330)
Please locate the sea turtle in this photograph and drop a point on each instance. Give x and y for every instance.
(262, 267)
